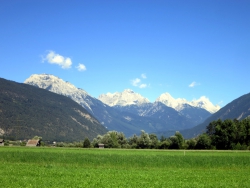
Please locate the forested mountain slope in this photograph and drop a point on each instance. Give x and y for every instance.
(26, 111)
(237, 109)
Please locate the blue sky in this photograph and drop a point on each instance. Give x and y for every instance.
(186, 48)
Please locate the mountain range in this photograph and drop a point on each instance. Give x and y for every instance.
(128, 97)
(27, 111)
(48, 111)
(129, 112)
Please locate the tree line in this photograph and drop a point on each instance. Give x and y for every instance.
(223, 135)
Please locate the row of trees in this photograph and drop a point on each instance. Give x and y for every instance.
(228, 134)
(114, 139)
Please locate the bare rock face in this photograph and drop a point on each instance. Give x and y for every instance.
(59, 86)
(127, 97)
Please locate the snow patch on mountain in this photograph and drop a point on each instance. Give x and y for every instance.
(59, 86)
(179, 103)
(127, 97)
(204, 102)
(168, 100)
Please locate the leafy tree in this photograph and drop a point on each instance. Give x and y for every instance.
(154, 142)
(229, 134)
(247, 129)
(180, 139)
(177, 141)
(225, 134)
(144, 140)
(204, 142)
(122, 140)
(163, 138)
(133, 141)
(97, 141)
(164, 144)
(211, 127)
(111, 139)
(86, 143)
(174, 142)
(191, 144)
(114, 139)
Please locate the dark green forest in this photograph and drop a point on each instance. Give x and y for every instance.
(229, 134)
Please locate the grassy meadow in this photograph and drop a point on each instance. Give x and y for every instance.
(64, 167)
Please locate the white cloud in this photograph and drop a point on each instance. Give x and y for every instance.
(143, 86)
(81, 67)
(54, 58)
(135, 82)
(143, 76)
(193, 84)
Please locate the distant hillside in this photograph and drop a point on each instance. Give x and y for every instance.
(27, 111)
(237, 109)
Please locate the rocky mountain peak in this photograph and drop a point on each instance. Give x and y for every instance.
(168, 100)
(128, 91)
(205, 103)
(52, 83)
(127, 97)
(59, 86)
(179, 103)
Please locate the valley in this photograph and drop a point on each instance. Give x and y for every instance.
(129, 112)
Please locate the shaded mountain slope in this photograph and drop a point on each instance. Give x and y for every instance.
(178, 113)
(26, 111)
(237, 109)
(195, 114)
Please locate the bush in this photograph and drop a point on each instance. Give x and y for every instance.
(60, 144)
(23, 143)
(238, 146)
(6, 143)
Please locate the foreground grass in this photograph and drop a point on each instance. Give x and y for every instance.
(60, 167)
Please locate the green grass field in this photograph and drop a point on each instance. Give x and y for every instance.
(62, 167)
